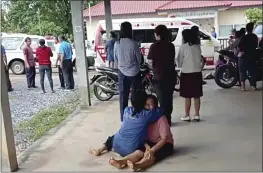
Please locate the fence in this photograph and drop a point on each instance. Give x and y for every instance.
(223, 42)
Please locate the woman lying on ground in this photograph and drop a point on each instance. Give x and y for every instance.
(158, 146)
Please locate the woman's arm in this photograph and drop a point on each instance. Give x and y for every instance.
(115, 52)
(180, 57)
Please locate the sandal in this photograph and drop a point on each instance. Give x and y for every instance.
(186, 118)
(196, 118)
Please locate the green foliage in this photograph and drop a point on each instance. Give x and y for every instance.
(254, 15)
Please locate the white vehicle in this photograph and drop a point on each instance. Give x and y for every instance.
(143, 32)
(14, 44)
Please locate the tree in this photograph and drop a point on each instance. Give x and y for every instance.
(254, 15)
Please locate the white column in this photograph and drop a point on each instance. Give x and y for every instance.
(8, 150)
(216, 24)
(81, 60)
(108, 17)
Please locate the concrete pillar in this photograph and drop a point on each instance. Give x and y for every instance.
(216, 25)
(8, 150)
(81, 60)
(108, 17)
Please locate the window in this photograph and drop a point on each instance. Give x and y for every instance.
(258, 30)
(12, 43)
(51, 44)
(238, 27)
(34, 44)
(225, 30)
(140, 36)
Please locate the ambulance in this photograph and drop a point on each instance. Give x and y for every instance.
(143, 33)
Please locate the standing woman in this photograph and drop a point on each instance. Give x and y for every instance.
(189, 59)
(110, 48)
(127, 55)
(162, 55)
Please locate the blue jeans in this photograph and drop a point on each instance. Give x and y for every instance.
(126, 83)
(43, 69)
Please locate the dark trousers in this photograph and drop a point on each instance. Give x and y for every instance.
(248, 67)
(164, 90)
(43, 69)
(61, 77)
(30, 76)
(68, 74)
(8, 82)
(126, 83)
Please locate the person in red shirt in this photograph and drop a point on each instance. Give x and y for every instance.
(43, 54)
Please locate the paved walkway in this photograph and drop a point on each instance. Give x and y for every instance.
(228, 139)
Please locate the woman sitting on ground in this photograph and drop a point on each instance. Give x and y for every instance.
(133, 132)
(158, 146)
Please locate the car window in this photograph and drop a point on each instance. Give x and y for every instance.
(258, 30)
(34, 44)
(51, 44)
(203, 36)
(12, 43)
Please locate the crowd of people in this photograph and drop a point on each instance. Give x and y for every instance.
(144, 137)
(43, 56)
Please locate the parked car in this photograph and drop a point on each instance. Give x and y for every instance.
(14, 44)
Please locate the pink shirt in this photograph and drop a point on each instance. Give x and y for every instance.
(160, 129)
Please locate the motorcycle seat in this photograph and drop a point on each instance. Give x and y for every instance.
(108, 69)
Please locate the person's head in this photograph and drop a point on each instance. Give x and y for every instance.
(233, 31)
(161, 33)
(243, 31)
(213, 29)
(42, 42)
(250, 27)
(126, 30)
(238, 34)
(195, 29)
(151, 102)
(138, 101)
(56, 40)
(61, 38)
(113, 35)
(28, 41)
(189, 37)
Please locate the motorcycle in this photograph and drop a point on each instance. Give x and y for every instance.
(226, 74)
(106, 82)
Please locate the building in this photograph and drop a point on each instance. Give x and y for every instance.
(223, 15)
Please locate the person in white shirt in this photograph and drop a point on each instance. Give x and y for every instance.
(58, 62)
(189, 60)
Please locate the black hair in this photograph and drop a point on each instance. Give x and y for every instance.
(113, 34)
(243, 31)
(162, 31)
(27, 39)
(62, 37)
(56, 38)
(195, 32)
(155, 99)
(238, 34)
(190, 37)
(250, 27)
(42, 42)
(138, 101)
(126, 30)
(213, 28)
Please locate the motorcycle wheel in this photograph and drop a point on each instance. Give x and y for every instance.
(226, 76)
(177, 85)
(98, 91)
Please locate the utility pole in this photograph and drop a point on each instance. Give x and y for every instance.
(108, 17)
(38, 15)
(81, 60)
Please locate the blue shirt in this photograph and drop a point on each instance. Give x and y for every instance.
(133, 132)
(66, 49)
(2, 51)
(127, 54)
(110, 49)
(213, 34)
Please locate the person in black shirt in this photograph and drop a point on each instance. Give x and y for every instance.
(247, 57)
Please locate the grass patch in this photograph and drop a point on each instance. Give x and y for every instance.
(46, 119)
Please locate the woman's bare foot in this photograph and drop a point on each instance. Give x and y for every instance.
(117, 164)
(133, 166)
(94, 152)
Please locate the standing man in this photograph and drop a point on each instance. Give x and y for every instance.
(43, 54)
(58, 64)
(65, 51)
(29, 64)
(110, 49)
(213, 33)
(3, 55)
(247, 61)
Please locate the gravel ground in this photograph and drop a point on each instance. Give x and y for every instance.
(24, 103)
